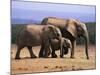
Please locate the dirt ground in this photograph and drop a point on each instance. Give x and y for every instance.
(28, 65)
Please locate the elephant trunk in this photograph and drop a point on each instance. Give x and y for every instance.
(61, 50)
(86, 44)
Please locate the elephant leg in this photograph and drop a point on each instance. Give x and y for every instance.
(62, 53)
(53, 54)
(41, 53)
(31, 52)
(46, 48)
(49, 51)
(65, 50)
(73, 48)
(18, 52)
(45, 53)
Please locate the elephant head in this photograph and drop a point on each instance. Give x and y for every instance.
(82, 31)
(52, 32)
(78, 29)
(66, 45)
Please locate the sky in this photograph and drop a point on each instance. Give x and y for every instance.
(34, 11)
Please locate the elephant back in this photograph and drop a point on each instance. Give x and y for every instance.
(53, 21)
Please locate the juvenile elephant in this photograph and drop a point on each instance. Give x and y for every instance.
(71, 29)
(55, 45)
(35, 35)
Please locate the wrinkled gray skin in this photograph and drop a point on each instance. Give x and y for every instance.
(71, 29)
(55, 45)
(35, 35)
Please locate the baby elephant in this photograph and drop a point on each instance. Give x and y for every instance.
(55, 45)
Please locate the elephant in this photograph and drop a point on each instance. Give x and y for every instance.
(36, 35)
(71, 29)
(55, 45)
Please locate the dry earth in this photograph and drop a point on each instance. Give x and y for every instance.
(28, 65)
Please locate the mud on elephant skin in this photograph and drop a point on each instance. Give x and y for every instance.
(35, 35)
(71, 29)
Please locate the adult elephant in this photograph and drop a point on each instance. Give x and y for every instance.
(71, 29)
(35, 35)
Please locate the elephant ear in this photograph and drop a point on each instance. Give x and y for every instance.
(45, 36)
(48, 30)
(71, 28)
(81, 29)
(51, 28)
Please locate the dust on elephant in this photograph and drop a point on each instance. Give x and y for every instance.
(35, 35)
(55, 45)
(71, 29)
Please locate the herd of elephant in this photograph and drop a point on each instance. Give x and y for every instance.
(52, 34)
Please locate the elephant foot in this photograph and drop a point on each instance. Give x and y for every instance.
(88, 58)
(17, 58)
(33, 57)
(54, 56)
(40, 56)
(61, 56)
(72, 57)
(43, 56)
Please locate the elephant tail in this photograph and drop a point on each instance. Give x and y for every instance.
(18, 34)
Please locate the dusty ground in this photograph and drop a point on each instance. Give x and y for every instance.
(28, 65)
